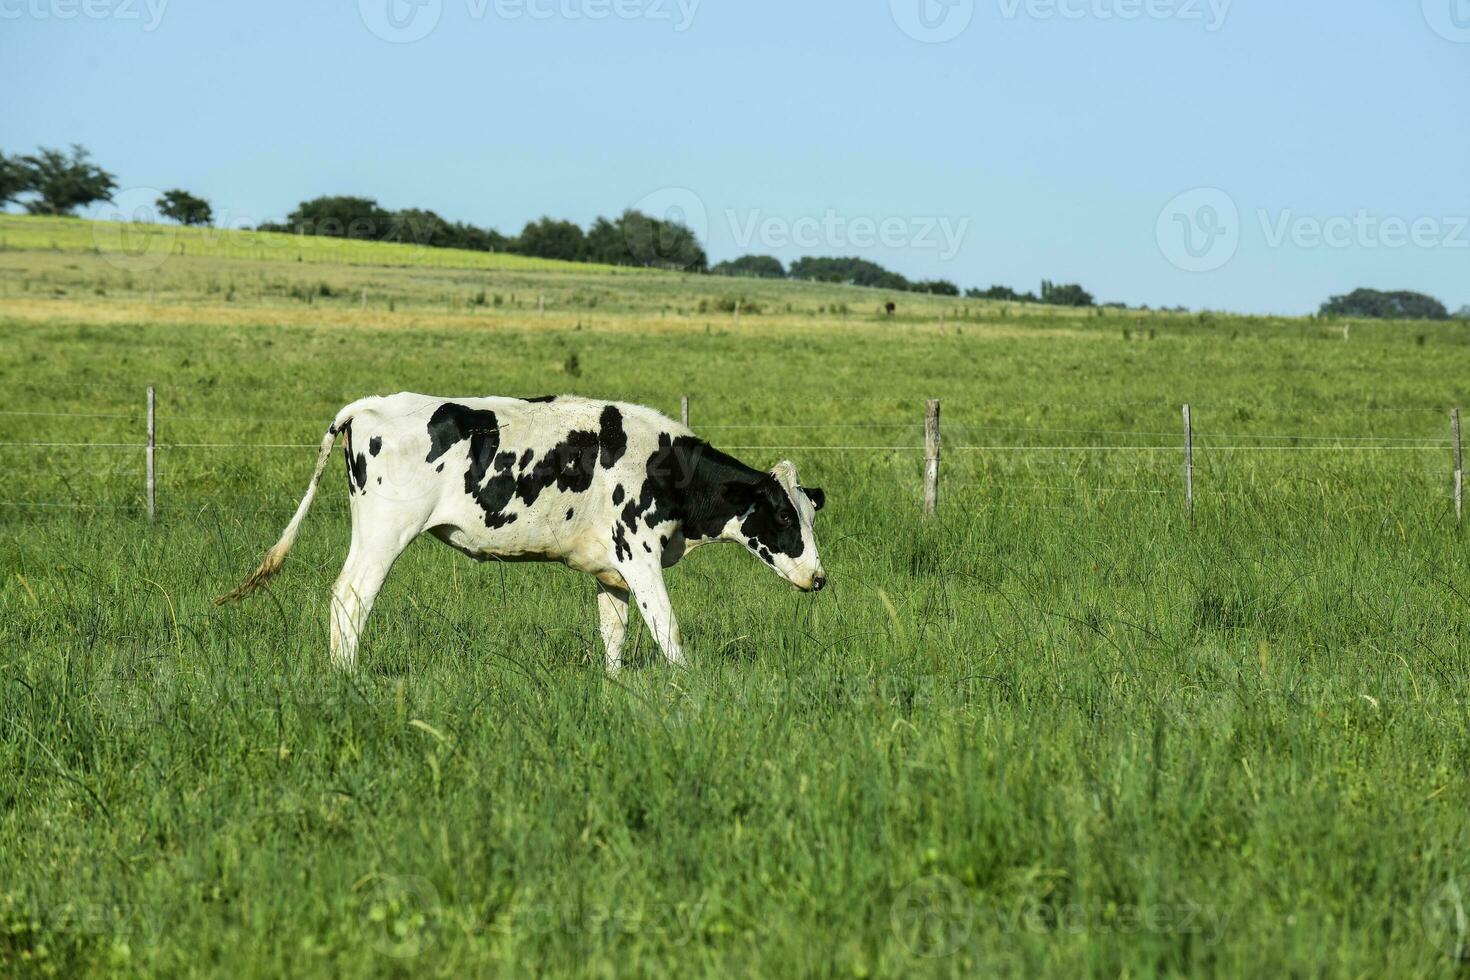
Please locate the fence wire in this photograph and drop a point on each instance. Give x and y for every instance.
(1120, 442)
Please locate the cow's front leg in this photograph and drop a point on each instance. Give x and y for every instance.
(646, 580)
(612, 617)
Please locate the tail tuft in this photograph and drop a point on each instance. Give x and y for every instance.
(269, 566)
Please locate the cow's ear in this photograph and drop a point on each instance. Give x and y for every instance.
(816, 496)
(740, 494)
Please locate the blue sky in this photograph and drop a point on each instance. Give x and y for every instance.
(1318, 146)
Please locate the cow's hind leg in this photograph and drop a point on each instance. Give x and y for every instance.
(368, 563)
(612, 616)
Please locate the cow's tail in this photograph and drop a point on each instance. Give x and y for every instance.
(276, 557)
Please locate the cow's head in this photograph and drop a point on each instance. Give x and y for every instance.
(774, 520)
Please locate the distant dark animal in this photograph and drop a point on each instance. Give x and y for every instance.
(890, 307)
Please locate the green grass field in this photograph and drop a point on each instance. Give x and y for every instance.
(1059, 730)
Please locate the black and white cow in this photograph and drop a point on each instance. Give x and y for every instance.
(614, 490)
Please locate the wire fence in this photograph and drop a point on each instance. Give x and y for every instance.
(971, 438)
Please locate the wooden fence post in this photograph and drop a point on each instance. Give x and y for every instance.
(684, 409)
(1459, 466)
(152, 443)
(1189, 461)
(931, 457)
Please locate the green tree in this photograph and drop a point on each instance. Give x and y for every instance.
(661, 244)
(64, 183)
(340, 217)
(937, 287)
(752, 266)
(14, 180)
(606, 244)
(462, 235)
(858, 272)
(1001, 293)
(1068, 295)
(634, 238)
(1401, 305)
(414, 226)
(185, 208)
(549, 238)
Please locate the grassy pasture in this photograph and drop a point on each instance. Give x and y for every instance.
(1059, 730)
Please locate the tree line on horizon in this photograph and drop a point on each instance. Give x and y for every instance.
(630, 239)
(861, 272)
(55, 182)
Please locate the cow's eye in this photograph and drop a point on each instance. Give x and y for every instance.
(783, 519)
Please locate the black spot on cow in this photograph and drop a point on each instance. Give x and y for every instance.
(621, 548)
(683, 481)
(665, 493)
(380, 481)
(375, 446)
(617, 497)
(439, 468)
(647, 548)
(452, 424)
(356, 464)
(541, 399)
(570, 512)
(504, 461)
(568, 465)
(526, 458)
(770, 518)
(359, 471)
(492, 494)
(611, 437)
